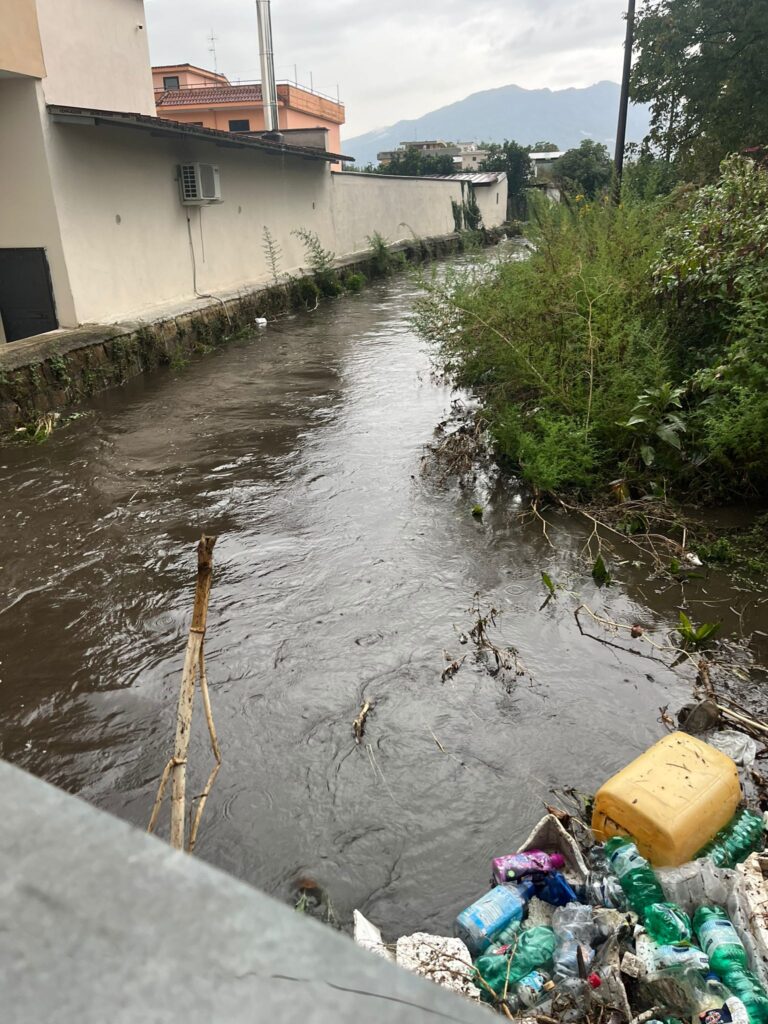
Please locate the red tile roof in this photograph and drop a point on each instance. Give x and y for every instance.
(242, 94)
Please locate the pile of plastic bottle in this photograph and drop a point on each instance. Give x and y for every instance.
(534, 970)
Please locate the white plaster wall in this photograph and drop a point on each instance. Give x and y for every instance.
(28, 216)
(127, 236)
(96, 55)
(492, 200)
(398, 208)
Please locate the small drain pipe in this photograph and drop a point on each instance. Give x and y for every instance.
(266, 52)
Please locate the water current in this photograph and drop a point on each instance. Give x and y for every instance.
(342, 574)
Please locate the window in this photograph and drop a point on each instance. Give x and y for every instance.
(239, 126)
(172, 82)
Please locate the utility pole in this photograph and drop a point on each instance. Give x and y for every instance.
(621, 131)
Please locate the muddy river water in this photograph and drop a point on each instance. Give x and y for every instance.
(341, 575)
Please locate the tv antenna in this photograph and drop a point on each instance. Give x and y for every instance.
(212, 50)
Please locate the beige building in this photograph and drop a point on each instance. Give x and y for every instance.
(110, 213)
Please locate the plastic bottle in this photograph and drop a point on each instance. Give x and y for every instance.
(491, 914)
(601, 890)
(635, 874)
(532, 988)
(710, 1001)
(507, 936)
(744, 984)
(728, 959)
(719, 940)
(573, 927)
(741, 836)
(530, 862)
(533, 950)
(667, 923)
(677, 959)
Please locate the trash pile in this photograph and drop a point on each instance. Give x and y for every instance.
(661, 915)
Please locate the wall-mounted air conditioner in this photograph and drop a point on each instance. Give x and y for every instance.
(199, 184)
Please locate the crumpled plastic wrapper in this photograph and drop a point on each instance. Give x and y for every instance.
(737, 745)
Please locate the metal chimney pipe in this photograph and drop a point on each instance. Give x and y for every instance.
(266, 52)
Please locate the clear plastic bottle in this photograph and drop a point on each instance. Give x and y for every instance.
(710, 1002)
(574, 927)
(602, 890)
(635, 874)
(533, 988)
(741, 836)
(668, 924)
(491, 914)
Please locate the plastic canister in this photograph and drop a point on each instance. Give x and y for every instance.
(672, 799)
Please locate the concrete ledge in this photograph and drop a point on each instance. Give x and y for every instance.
(53, 372)
(100, 922)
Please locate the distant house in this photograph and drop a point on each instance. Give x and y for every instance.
(543, 163)
(192, 95)
(490, 189)
(466, 156)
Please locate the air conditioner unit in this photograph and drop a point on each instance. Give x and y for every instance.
(199, 184)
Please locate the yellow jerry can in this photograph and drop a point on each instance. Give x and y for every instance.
(671, 800)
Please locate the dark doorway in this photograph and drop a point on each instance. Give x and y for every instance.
(26, 295)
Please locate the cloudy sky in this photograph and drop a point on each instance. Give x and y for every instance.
(394, 59)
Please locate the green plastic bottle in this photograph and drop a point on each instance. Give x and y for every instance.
(741, 836)
(668, 924)
(635, 874)
(728, 959)
(534, 949)
(720, 941)
(744, 984)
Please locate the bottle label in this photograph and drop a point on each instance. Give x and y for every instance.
(667, 956)
(721, 1015)
(626, 859)
(717, 931)
(492, 911)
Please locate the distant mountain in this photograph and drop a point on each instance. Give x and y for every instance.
(562, 116)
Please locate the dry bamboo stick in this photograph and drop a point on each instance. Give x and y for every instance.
(216, 753)
(187, 690)
(160, 794)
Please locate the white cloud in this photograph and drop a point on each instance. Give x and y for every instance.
(400, 59)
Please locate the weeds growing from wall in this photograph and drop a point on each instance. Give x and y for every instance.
(321, 262)
(273, 254)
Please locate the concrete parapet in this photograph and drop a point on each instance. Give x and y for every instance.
(101, 922)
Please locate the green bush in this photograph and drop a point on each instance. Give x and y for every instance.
(354, 281)
(560, 345)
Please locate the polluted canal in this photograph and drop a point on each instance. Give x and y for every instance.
(343, 574)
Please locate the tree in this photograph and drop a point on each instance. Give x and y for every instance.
(586, 170)
(417, 164)
(701, 65)
(513, 159)
(544, 147)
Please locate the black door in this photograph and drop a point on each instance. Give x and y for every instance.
(26, 295)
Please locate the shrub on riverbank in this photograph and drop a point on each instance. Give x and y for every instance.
(630, 344)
